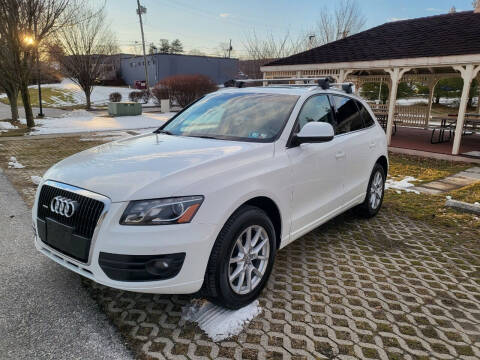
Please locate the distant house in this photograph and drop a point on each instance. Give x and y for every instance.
(161, 66)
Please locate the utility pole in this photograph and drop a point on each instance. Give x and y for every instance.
(230, 49)
(143, 10)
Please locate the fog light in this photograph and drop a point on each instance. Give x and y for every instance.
(157, 267)
(141, 267)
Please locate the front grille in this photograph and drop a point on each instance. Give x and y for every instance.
(85, 218)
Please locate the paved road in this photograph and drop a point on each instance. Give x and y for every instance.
(6, 114)
(44, 311)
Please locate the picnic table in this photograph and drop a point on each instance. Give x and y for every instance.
(382, 117)
(448, 125)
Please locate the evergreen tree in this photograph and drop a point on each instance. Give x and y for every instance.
(176, 47)
(164, 46)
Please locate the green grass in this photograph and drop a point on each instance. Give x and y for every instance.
(431, 208)
(50, 98)
(423, 169)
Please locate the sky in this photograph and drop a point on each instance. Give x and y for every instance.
(204, 24)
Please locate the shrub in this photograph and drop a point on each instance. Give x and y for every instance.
(184, 88)
(137, 96)
(115, 97)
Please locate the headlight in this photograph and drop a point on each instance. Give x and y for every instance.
(178, 210)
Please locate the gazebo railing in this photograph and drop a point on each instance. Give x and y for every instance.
(406, 115)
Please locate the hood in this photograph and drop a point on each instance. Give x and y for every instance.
(153, 165)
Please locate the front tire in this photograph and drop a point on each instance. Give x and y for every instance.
(375, 193)
(241, 260)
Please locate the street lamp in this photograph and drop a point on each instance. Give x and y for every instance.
(28, 40)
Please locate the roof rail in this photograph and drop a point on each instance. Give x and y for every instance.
(324, 83)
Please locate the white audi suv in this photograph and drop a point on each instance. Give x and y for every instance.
(204, 203)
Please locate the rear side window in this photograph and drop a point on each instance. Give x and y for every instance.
(316, 109)
(367, 118)
(347, 115)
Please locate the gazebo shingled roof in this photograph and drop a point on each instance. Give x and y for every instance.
(441, 35)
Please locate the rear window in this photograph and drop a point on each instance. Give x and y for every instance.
(347, 115)
(367, 118)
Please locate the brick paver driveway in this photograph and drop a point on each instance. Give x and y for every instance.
(383, 288)
(386, 288)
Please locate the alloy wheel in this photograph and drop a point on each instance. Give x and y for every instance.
(376, 190)
(249, 259)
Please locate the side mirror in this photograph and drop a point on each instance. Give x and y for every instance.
(315, 132)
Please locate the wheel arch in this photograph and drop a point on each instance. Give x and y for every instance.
(271, 208)
(382, 160)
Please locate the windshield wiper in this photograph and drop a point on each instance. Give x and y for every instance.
(161, 131)
(203, 136)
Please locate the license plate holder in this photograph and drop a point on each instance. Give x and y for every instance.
(62, 238)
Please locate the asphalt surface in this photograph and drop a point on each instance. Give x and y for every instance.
(6, 114)
(44, 311)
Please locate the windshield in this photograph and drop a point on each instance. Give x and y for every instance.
(241, 116)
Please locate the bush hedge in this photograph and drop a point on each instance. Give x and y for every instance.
(184, 89)
(115, 97)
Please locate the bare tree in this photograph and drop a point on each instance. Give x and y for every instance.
(270, 47)
(24, 24)
(83, 49)
(196, 52)
(346, 19)
(8, 80)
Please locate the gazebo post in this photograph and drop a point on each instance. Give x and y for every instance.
(343, 75)
(395, 74)
(468, 72)
(478, 99)
(431, 86)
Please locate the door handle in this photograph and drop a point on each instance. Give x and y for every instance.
(340, 155)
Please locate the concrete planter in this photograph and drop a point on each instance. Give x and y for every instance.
(124, 109)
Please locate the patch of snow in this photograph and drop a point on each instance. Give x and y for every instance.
(448, 197)
(217, 322)
(14, 164)
(5, 126)
(36, 179)
(402, 185)
(100, 94)
(84, 121)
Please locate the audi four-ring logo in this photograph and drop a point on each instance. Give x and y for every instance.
(62, 206)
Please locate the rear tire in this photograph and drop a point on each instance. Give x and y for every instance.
(375, 193)
(241, 260)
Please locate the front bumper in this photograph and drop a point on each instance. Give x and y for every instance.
(193, 240)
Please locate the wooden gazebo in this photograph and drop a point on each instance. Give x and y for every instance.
(422, 50)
